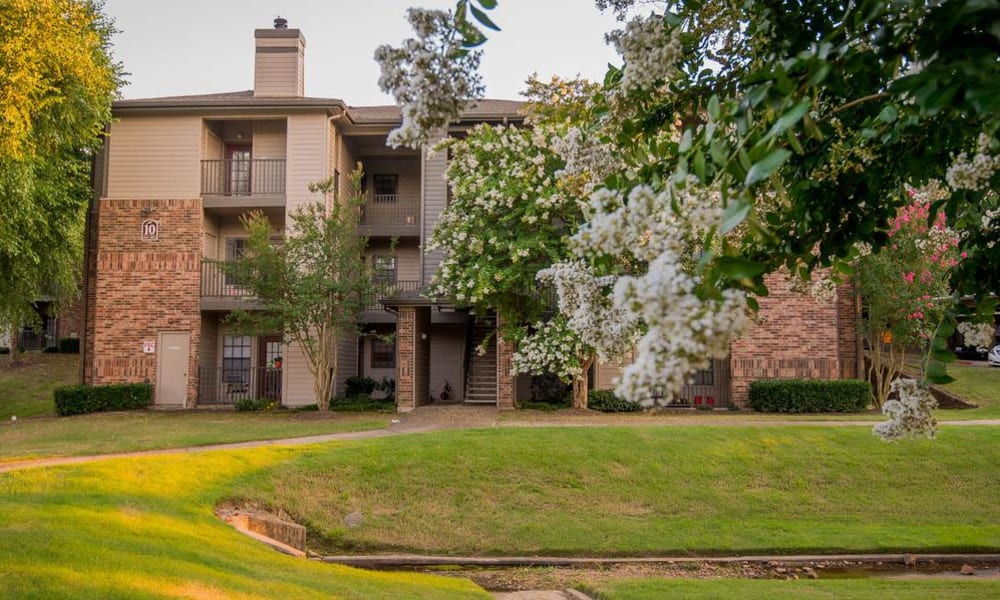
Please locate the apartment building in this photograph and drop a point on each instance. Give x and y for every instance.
(177, 172)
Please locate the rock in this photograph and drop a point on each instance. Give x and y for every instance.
(353, 519)
(909, 560)
(781, 570)
(968, 570)
(810, 573)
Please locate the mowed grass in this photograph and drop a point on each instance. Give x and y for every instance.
(645, 491)
(979, 385)
(137, 529)
(104, 433)
(26, 386)
(856, 589)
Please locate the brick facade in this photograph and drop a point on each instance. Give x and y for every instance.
(138, 289)
(506, 380)
(798, 336)
(412, 357)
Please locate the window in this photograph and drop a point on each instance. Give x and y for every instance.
(383, 353)
(385, 187)
(384, 266)
(236, 351)
(235, 250)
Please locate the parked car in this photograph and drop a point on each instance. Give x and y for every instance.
(994, 357)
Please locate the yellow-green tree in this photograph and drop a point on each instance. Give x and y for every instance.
(57, 81)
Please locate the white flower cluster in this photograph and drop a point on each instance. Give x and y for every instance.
(585, 156)
(683, 331)
(551, 348)
(431, 77)
(980, 335)
(818, 286)
(975, 173)
(909, 414)
(990, 222)
(651, 50)
(931, 191)
(590, 311)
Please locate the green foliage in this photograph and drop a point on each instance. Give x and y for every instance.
(549, 389)
(314, 286)
(84, 399)
(57, 81)
(606, 401)
(355, 385)
(69, 345)
(51, 350)
(255, 404)
(4, 350)
(362, 403)
(809, 395)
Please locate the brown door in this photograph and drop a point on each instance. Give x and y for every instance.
(172, 353)
(269, 366)
(238, 170)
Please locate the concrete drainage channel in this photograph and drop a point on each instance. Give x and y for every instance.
(508, 576)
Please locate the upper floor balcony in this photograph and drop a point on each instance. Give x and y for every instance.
(243, 183)
(222, 290)
(389, 215)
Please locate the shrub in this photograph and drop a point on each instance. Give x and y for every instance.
(4, 350)
(362, 403)
(50, 350)
(810, 395)
(83, 399)
(606, 401)
(549, 389)
(357, 385)
(254, 404)
(546, 406)
(69, 345)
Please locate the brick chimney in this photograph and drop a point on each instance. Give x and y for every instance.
(279, 61)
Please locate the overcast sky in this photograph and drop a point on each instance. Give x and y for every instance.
(172, 47)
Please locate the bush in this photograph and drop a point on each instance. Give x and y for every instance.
(50, 350)
(357, 385)
(83, 399)
(254, 404)
(4, 350)
(362, 403)
(69, 345)
(549, 389)
(606, 401)
(810, 395)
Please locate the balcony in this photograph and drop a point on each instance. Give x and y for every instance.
(242, 183)
(220, 385)
(387, 215)
(393, 290)
(221, 290)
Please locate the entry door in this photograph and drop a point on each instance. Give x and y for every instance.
(238, 170)
(269, 363)
(173, 351)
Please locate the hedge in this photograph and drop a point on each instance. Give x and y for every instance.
(606, 401)
(83, 399)
(69, 345)
(810, 395)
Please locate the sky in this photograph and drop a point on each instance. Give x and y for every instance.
(175, 47)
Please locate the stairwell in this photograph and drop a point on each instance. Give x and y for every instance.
(481, 375)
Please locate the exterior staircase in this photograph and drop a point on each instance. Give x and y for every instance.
(481, 370)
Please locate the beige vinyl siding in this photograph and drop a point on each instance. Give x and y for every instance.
(297, 386)
(347, 361)
(155, 157)
(408, 170)
(407, 260)
(269, 139)
(435, 199)
(366, 360)
(211, 144)
(447, 349)
(606, 372)
(211, 244)
(279, 73)
(307, 156)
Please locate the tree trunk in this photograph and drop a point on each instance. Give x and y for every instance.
(581, 387)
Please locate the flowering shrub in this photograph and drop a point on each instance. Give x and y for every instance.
(979, 335)
(910, 415)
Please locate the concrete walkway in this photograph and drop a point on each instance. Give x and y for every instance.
(432, 418)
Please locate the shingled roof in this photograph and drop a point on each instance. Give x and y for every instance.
(481, 109)
(242, 98)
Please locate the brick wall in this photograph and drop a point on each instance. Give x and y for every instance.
(71, 319)
(798, 336)
(141, 288)
(405, 346)
(506, 380)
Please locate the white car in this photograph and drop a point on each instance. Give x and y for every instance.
(994, 356)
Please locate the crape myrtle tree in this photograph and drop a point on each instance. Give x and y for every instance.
(516, 200)
(57, 82)
(314, 285)
(778, 135)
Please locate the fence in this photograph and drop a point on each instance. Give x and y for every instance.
(236, 177)
(221, 385)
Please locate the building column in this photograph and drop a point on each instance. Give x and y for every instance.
(506, 381)
(406, 326)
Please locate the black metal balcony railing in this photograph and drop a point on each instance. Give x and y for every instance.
(221, 385)
(216, 283)
(236, 177)
(391, 212)
(393, 289)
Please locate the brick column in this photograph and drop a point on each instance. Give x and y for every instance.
(406, 328)
(506, 381)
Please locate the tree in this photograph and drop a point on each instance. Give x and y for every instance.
(313, 286)
(802, 123)
(57, 81)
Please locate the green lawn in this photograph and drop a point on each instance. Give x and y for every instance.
(636, 491)
(980, 385)
(26, 387)
(144, 529)
(104, 433)
(855, 589)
